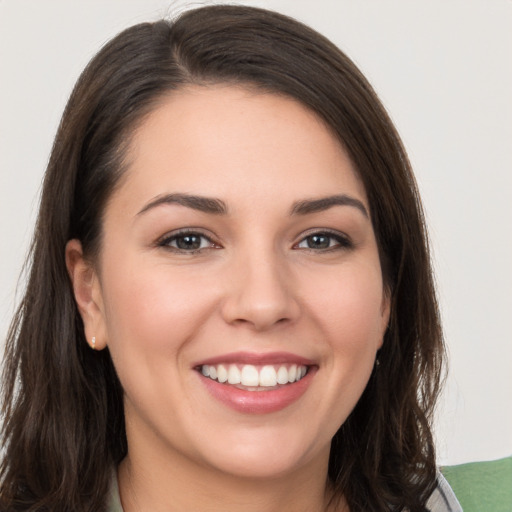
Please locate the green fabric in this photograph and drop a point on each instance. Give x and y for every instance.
(482, 486)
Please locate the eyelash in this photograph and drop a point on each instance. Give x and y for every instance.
(341, 241)
(167, 240)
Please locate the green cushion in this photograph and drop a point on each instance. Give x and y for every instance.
(482, 486)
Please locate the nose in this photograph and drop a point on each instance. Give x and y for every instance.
(260, 293)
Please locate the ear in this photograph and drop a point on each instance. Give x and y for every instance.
(385, 313)
(88, 296)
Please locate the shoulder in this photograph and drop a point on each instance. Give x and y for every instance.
(443, 498)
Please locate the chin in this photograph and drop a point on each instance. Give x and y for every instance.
(265, 455)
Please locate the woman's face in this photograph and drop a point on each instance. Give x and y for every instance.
(237, 255)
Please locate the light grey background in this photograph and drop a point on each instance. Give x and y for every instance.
(442, 68)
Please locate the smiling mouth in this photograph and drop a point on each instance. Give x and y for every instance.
(250, 377)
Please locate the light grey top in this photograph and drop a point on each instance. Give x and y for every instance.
(442, 500)
(114, 500)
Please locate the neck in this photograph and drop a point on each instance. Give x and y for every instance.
(150, 484)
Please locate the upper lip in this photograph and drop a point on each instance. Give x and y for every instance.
(256, 359)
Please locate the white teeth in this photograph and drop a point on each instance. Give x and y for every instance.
(282, 375)
(222, 373)
(267, 376)
(233, 374)
(250, 376)
(292, 373)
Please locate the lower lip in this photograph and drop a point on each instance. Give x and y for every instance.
(258, 402)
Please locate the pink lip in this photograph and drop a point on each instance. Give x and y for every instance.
(256, 359)
(258, 402)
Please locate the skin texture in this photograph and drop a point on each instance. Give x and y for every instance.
(254, 286)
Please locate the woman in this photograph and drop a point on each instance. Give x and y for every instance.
(230, 302)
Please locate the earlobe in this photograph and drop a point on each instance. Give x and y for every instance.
(87, 293)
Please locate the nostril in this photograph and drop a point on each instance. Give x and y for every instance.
(261, 322)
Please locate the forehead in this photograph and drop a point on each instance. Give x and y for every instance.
(228, 141)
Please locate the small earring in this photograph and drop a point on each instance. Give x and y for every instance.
(377, 363)
(94, 342)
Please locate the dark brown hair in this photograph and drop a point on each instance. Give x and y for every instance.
(63, 410)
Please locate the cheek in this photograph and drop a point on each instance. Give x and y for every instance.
(153, 309)
(347, 310)
(350, 309)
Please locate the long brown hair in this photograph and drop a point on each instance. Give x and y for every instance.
(63, 426)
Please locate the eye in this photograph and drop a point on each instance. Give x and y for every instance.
(324, 241)
(187, 241)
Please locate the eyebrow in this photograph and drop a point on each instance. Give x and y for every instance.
(203, 204)
(218, 207)
(324, 203)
